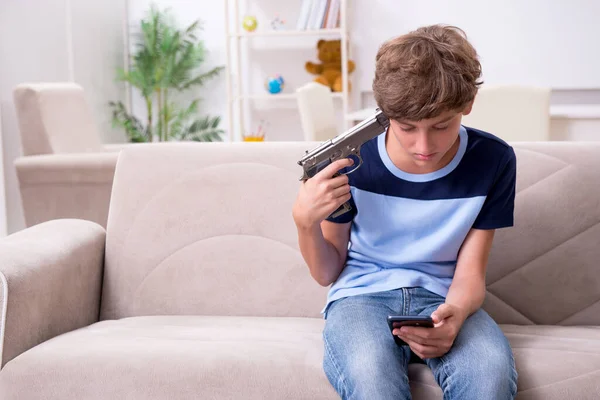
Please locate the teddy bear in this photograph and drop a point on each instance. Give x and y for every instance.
(329, 71)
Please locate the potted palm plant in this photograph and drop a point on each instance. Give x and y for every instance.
(165, 64)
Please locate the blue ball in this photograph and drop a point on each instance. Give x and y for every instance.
(274, 84)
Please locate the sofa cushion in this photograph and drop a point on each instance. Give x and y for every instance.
(180, 357)
(556, 362)
(199, 357)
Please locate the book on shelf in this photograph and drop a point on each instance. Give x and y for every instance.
(333, 16)
(319, 14)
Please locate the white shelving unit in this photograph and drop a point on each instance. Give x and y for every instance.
(235, 38)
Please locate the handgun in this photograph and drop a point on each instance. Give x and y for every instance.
(342, 146)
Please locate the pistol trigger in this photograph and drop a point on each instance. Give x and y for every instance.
(360, 161)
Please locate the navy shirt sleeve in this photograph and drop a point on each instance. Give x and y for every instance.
(345, 217)
(498, 208)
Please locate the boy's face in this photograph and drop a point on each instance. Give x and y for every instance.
(429, 142)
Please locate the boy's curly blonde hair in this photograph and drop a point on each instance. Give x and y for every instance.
(426, 72)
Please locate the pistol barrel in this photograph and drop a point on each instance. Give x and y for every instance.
(350, 140)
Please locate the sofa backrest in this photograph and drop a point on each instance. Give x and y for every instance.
(54, 117)
(206, 228)
(546, 269)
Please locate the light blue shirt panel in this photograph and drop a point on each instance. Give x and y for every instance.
(394, 231)
(355, 280)
(391, 248)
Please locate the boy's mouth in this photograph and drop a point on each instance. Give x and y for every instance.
(425, 157)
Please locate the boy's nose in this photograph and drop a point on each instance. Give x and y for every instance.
(423, 145)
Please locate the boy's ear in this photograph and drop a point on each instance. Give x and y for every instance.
(468, 108)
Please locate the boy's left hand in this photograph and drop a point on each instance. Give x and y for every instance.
(437, 341)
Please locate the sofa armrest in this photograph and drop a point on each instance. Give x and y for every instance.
(50, 282)
(67, 168)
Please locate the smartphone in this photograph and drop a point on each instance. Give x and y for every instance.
(397, 321)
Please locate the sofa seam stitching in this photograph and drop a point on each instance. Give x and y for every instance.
(596, 223)
(561, 381)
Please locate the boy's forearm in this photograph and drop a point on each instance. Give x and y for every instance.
(323, 259)
(467, 293)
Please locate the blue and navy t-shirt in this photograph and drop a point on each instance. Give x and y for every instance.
(407, 228)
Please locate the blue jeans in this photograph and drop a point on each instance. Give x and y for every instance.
(362, 361)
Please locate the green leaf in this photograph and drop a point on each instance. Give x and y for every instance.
(134, 129)
(200, 79)
(205, 130)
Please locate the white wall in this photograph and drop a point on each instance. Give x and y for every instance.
(533, 42)
(97, 30)
(57, 40)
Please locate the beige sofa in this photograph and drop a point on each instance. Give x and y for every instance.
(65, 170)
(197, 289)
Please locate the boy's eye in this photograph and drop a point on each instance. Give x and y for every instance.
(407, 129)
(440, 128)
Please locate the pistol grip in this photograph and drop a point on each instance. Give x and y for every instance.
(344, 208)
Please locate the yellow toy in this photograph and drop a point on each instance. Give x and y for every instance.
(329, 71)
(259, 136)
(249, 23)
(249, 138)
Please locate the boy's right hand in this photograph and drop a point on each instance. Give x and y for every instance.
(322, 194)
